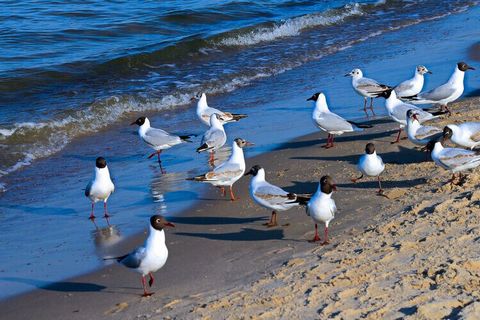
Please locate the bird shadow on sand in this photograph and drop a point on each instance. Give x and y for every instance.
(62, 286)
(246, 234)
(215, 220)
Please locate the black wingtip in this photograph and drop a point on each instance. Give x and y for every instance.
(237, 116)
(203, 147)
(187, 137)
(360, 125)
(439, 113)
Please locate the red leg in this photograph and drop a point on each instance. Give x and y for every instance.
(380, 190)
(317, 237)
(232, 196)
(371, 106)
(92, 217)
(365, 106)
(325, 241)
(398, 136)
(145, 293)
(152, 279)
(105, 212)
(273, 220)
(211, 161)
(329, 141)
(354, 180)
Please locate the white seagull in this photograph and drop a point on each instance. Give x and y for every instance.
(152, 255)
(397, 110)
(466, 134)
(321, 207)
(272, 197)
(447, 92)
(370, 164)
(366, 87)
(330, 122)
(158, 139)
(414, 85)
(214, 138)
(419, 134)
(453, 159)
(204, 112)
(227, 173)
(101, 187)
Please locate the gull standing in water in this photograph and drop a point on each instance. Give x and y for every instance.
(447, 92)
(419, 134)
(330, 122)
(214, 138)
(371, 164)
(453, 159)
(414, 85)
(366, 87)
(226, 174)
(466, 134)
(204, 112)
(101, 187)
(322, 207)
(272, 197)
(152, 255)
(158, 139)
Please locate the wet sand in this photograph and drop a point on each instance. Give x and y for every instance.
(223, 258)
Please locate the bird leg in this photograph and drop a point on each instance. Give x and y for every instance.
(371, 106)
(325, 241)
(380, 190)
(92, 217)
(273, 220)
(365, 106)
(444, 106)
(354, 180)
(211, 161)
(329, 141)
(105, 215)
(145, 293)
(398, 136)
(232, 196)
(152, 279)
(159, 160)
(316, 237)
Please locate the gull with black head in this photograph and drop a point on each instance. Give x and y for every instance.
(466, 134)
(371, 164)
(101, 187)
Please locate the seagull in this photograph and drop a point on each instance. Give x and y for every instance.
(419, 134)
(152, 255)
(214, 138)
(414, 85)
(330, 122)
(272, 197)
(466, 134)
(453, 159)
(397, 110)
(158, 139)
(321, 207)
(366, 87)
(204, 112)
(101, 187)
(371, 164)
(226, 174)
(447, 92)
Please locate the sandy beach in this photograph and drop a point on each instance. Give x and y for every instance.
(410, 254)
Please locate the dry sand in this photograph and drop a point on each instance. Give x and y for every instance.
(414, 254)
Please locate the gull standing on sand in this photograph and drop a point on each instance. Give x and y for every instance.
(322, 207)
(466, 134)
(272, 197)
(366, 87)
(453, 159)
(414, 85)
(214, 138)
(371, 164)
(226, 174)
(419, 134)
(101, 187)
(330, 122)
(152, 255)
(447, 92)
(158, 139)
(204, 112)
(397, 110)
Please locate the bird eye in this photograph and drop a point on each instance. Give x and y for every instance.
(157, 221)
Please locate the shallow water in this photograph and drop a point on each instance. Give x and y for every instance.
(45, 235)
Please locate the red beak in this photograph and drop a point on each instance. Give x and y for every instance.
(415, 116)
(334, 187)
(248, 143)
(169, 224)
(134, 122)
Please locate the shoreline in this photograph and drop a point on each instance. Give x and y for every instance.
(232, 235)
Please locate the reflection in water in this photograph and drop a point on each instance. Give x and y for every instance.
(105, 239)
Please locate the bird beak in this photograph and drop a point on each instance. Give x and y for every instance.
(415, 116)
(311, 98)
(248, 144)
(471, 68)
(429, 72)
(348, 74)
(134, 122)
(169, 224)
(334, 187)
(247, 173)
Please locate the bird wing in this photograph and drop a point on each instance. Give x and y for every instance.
(425, 132)
(333, 208)
(329, 121)
(475, 136)
(400, 110)
(213, 136)
(134, 259)
(455, 157)
(225, 171)
(404, 86)
(273, 194)
(158, 137)
(88, 189)
(439, 93)
(371, 86)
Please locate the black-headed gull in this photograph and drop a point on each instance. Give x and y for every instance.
(447, 92)
(397, 110)
(322, 207)
(227, 173)
(101, 187)
(418, 133)
(214, 138)
(370, 164)
(330, 122)
(152, 255)
(414, 85)
(272, 197)
(204, 112)
(158, 139)
(366, 87)
(466, 134)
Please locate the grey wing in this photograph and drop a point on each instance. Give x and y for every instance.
(437, 94)
(134, 259)
(455, 157)
(159, 137)
(370, 85)
(404, 86)
(425, 132)
(88, 189)
(213, 137)
(333, 122)
(400, 110)
(272, 194)
(333, 208)
(227, 167)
